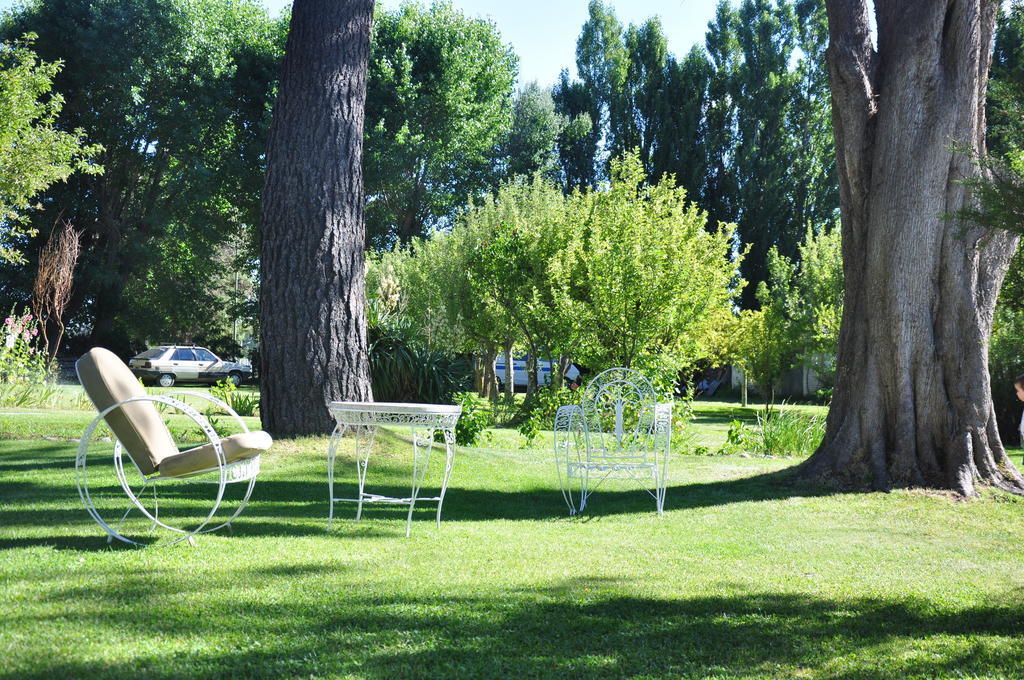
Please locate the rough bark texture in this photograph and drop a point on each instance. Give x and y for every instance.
(312, 297)
(912, 403)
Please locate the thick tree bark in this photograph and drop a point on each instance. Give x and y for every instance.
(912, 403)
(312, 297)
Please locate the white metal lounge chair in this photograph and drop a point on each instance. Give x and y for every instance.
(139, 429)
(619, 431)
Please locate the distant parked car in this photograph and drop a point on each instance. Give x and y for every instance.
(169, 364)
(543, 372)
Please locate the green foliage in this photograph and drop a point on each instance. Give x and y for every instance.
(439, 95)
(539, 411)
(622, 276)
(25, 377)
(521, 232)
(34, 151)
(784, 432)
(179, 94)
(798, 322)
(531, 145)
(738, 439)
(471, 428)
(402, 369)
(788, 433)
(243, 403)
(750, 111)
(642, 279)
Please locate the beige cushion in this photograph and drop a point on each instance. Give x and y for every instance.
(236, 447)
(138, 426)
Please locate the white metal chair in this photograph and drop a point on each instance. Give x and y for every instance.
(619, 431)
(138, 428)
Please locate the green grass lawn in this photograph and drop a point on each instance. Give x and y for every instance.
(745, 576)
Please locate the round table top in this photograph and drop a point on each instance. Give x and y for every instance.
(395, 407)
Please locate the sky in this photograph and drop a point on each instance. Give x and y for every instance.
(543, 32)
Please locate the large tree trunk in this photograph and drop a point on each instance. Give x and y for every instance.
(912, 403)
(312, 297)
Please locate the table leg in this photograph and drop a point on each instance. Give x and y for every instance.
(364, 440)
(422, 443)
(449, 459)
(332, 452)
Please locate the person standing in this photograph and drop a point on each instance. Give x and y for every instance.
(1018, 384)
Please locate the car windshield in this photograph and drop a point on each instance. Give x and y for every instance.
(151, 353)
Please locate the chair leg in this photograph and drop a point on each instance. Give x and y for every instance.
(156, 511)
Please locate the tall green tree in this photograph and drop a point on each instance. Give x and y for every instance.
(525, 232)
(178, 94)
(743, 125)
(579, 138)
(532, 144)
(681, 126)
(438, 105)
(34, 153)
(644, 280)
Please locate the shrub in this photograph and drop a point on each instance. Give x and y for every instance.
(244, 404)
(739, 439)
(471, 429)
(540, 411)
(402, 369)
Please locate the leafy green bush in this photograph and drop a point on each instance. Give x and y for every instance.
(403, 370)
(541, 409)
(471, 430)
(739, 439)
(243, 403)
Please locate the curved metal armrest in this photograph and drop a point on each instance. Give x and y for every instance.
(222, 404)
(196, 417)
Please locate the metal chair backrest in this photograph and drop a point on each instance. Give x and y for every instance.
(618, 411)
(138, 426)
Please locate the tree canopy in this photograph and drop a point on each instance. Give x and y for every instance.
(438, 106)
(178, 95)
(34, 152)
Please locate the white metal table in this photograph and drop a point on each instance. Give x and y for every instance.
(363, 418)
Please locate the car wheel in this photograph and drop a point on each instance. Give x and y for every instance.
(235, 377)
(166, 380)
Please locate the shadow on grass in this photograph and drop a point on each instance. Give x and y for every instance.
(581, 628)
(299, 508)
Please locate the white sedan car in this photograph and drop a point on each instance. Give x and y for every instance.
(169, 364)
